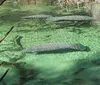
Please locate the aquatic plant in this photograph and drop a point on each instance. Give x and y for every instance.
(25, 73)
(17, 41)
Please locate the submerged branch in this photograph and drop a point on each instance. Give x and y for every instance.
(2, 1)
(4, 75)
(6, 34)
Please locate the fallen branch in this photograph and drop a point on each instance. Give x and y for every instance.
(1, 79)
(6, 34)
(2, 1)
(1, 63)
(4, 75)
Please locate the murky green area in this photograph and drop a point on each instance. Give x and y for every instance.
(68, 68)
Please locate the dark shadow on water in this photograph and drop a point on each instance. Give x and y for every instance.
(66, 77)
(74, 76)
(24, 71)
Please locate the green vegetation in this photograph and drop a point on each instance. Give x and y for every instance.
(53, 69)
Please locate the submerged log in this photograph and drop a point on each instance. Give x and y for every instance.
(56, 48)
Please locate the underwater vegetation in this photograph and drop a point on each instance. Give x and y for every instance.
(25, 74)
(30, 74)
(72, 57)
(1, 79)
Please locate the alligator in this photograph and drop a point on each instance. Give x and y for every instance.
(56, 48)
(71, 18)
(53, 48)
(60, 18)
(41, 16)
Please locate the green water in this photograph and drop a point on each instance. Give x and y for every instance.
(48, 69)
